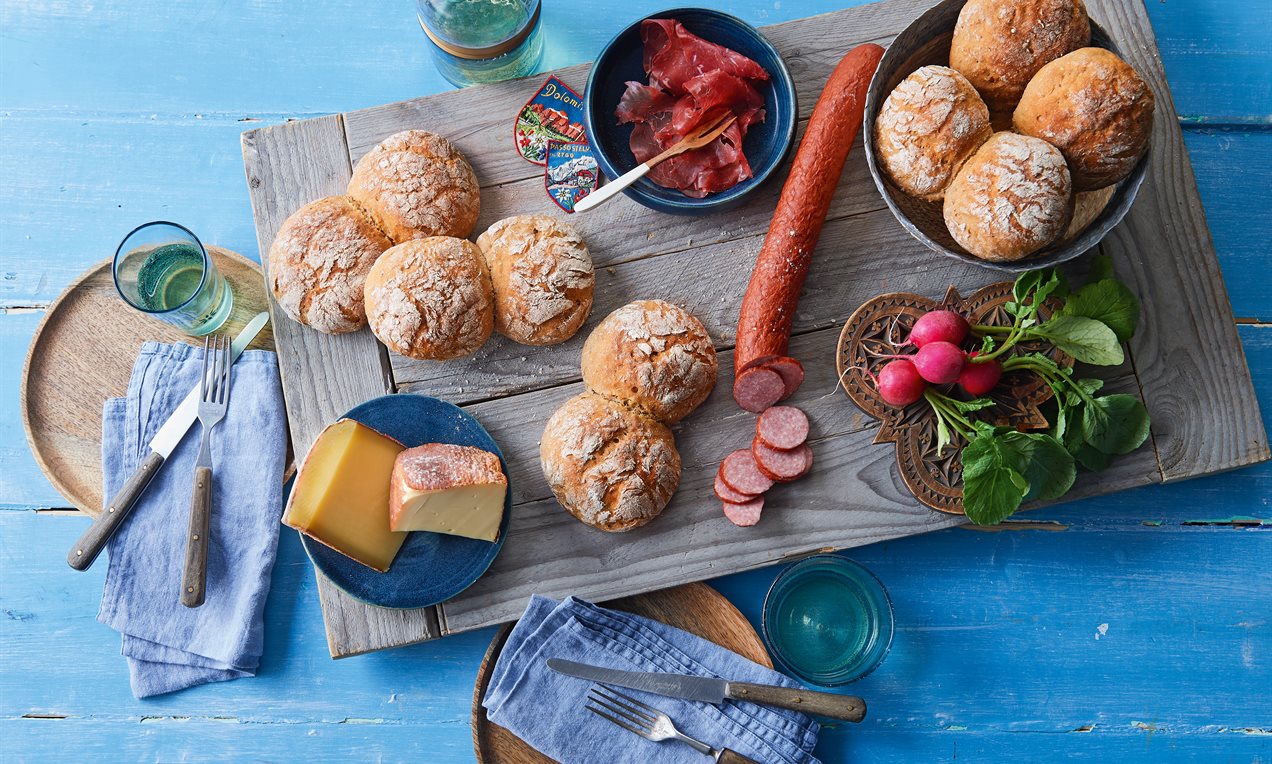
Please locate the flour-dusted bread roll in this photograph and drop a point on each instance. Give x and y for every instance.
(928, 126)
(1096, 109)
(543, 278)
(654, 356)
(1011, 199)
(609, 466)
(416, 184)
(431, 299)
(1000, 44)
(319, 261)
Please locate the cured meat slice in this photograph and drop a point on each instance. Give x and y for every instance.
(726, 494)
(758, 388)
(740, 472)
(782, 427)
(791, 371)
(744, 515)
(674, 55)
(640, 100)
(782, 466)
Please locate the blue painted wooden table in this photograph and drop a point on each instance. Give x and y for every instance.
(1136, 626)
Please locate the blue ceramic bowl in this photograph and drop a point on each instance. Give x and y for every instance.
(766, 144)
(827, 620)
(431, 567)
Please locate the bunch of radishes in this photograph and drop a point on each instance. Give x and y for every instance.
(940, 360)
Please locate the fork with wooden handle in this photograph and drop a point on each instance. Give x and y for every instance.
(213, 400)
(651, 724)
(696, 140)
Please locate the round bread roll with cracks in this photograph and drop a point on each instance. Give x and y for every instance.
(609, 466)
(654, 356)
(431, 299)
(542, 276)
(319, 262)
(1096, 109)
(999, 45)
(416, 184)
(1011, 199)
(928, 126)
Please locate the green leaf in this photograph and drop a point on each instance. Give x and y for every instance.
(1039, 284)
(942, 435)
(987, 345)
(1092, 459)
(1115, 424)
(1085, 339)
(1089, 385)
(1101, 269)
(976, 404)
(1108, 302)
(1026, 284)
(992, 488)
(1050, 471)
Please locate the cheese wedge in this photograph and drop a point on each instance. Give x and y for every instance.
(451, 489)
(341, 495)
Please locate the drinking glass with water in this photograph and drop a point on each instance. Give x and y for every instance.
(163, 269)
(477, 41)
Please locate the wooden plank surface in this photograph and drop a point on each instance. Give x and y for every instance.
(703, 264)
(323, 376)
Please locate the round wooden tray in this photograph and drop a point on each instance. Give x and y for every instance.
(83, 353)
(696, 608)
(870, 339)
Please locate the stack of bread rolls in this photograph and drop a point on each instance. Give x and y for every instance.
(393, 253)
(1075, 119)
(607, 453)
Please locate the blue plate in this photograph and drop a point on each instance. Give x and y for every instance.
(766, 145)
(431, 567)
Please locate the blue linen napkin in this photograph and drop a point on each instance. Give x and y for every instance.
(546, 709)
(169, 646)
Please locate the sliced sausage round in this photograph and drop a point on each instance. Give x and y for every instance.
(744, 515)
(782, 427)
(726, 494)
(758, 388)
(740, 472)
(790, 370)
(783, 466)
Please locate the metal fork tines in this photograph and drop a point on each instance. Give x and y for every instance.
(214, 397)
(634, 716)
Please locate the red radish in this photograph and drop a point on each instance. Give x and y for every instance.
(939, 326)
(940, 362)
(978, 379)
(899, 383)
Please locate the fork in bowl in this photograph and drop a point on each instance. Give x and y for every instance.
(650, 723)
(214, 396)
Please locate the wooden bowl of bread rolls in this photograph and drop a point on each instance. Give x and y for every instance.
(1007, 133)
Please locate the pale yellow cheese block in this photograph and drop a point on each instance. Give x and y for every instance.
(341, 495)
(445, 488)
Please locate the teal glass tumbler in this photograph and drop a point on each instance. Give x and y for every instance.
(828, 621)
(163, 269)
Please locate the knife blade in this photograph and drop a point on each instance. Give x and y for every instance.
(716, 691)
(165, 441)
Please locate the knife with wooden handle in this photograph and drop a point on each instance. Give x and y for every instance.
(849, 708)
(91, 544)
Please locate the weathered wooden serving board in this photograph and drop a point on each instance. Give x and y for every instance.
(1185, 361)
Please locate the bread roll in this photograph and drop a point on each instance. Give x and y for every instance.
(609, 466)
(1000, 44)
(1011, 199)
(431, 299)
(1096, 109)
(416, 184)
(928, 126)
(1087, 206)
(651, 355)
(319, 261)
(543, 278)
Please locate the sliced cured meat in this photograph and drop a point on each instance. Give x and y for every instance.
(740, 472)
(782, 466)
(691, 81)
(726, 494)
(782, 427)
(791, 371)
(674, 55)
(758, 388)
(759, 362)
(744, 515)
